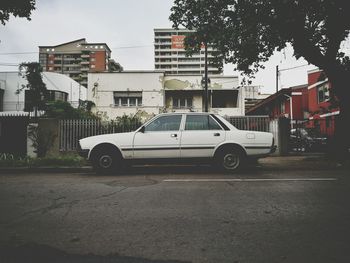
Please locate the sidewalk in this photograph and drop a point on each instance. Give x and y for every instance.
(301, 162)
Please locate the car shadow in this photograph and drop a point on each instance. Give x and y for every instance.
(181, 169)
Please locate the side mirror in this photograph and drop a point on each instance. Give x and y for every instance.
(142, 129)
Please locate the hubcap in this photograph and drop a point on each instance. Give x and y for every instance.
(105, 161)
(231, 161)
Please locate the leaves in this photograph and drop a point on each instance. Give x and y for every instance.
(21, 8)
(32, 72)
(247, 32)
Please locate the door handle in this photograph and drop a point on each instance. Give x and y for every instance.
(216, 134)
(174, 135)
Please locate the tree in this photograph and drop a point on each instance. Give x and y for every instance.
(35, 98)
(16, 8)
(247, 32)
(64, 110)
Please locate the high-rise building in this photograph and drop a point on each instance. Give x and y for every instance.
(76, 58)
(170, 55)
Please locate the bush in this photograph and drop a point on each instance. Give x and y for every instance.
(63, 110)
(69, 160)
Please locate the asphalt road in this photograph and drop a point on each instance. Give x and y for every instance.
(176, 215)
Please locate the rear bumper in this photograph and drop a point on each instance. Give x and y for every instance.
(273, 149)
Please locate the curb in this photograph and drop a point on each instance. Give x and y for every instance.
(85, 169)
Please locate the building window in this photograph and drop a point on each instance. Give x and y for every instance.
(323, 93)
(92, 66)
(54, 95)
(182, 103)
(128, 99)
(282, 107)
(224, 98)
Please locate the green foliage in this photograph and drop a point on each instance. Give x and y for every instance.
(69, 160)
(127, 123)
(86, 105)
(247, 32)
(32, 72)
(63, 110)
(21, 8)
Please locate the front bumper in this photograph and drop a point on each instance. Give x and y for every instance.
(82, 152)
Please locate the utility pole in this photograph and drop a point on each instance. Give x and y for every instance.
(277, 72)
(206, 76)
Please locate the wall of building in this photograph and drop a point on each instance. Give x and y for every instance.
(101, 88)
(99, 63)
(189, 83)
(158, 91)
(12, 81)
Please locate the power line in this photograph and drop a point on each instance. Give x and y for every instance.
(37, 52)
(285, 69)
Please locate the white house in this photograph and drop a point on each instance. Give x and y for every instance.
(61, 87)
(152, 92)
(186, 92)
(126, 92)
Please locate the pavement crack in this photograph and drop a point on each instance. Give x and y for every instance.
(110, 194)
(45, 210)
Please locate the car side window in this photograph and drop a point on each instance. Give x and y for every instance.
(165, 123)
(201, 122)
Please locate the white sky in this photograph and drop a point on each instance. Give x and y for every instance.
(118, 23)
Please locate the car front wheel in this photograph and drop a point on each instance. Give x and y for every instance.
(106, 161)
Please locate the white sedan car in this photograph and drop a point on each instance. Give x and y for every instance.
(178, 137)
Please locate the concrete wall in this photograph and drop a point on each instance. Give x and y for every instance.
(157, 90)
(101, 87)
(193, 83)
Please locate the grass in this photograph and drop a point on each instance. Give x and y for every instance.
(67, 160)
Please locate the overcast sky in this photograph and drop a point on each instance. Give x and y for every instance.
(122, 25)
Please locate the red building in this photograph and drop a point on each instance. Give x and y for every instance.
(291, 103)
(310, 104)
(321, 110)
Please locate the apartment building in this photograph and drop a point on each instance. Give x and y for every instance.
(170, 55)
(76, 58)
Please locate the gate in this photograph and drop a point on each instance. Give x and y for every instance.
(13, 135)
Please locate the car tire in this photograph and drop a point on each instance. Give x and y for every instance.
(106, 161)
(230, 160)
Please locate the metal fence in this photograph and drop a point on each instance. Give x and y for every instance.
(251, 123)
(71, 131)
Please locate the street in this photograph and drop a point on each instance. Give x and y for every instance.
(192, 215)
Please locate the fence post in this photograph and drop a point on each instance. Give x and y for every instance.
(283, 135)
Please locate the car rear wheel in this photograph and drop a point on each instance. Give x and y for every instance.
(230, 160)
(106, 161)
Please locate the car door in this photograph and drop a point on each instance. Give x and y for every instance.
(200, 136)
(159, 139)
